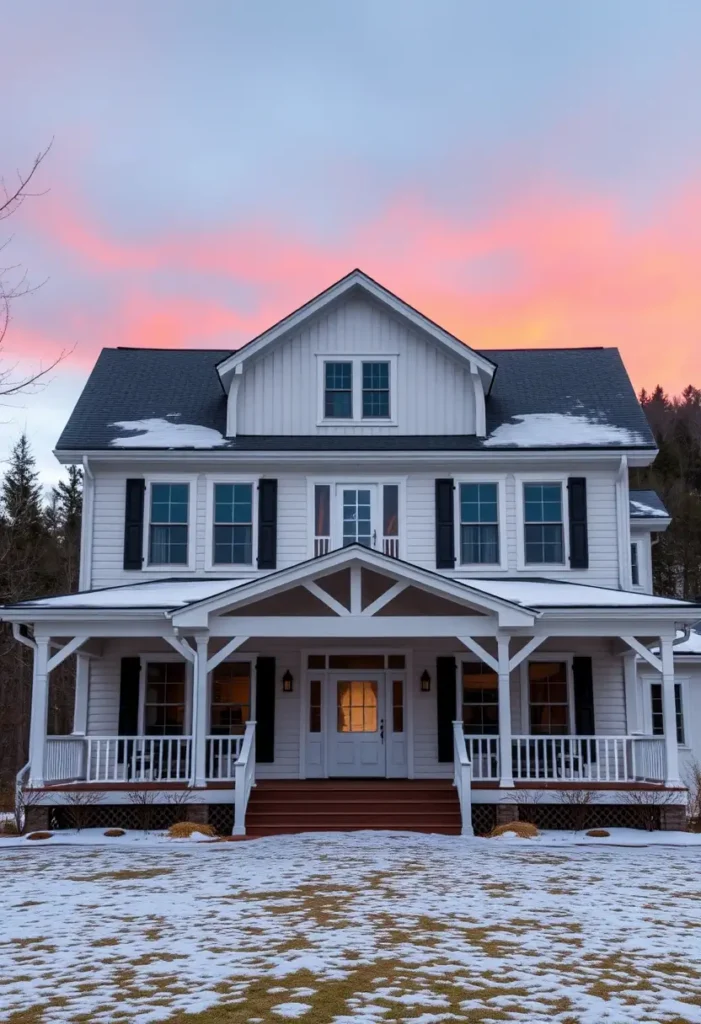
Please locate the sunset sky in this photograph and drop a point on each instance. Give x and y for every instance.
(527, 174)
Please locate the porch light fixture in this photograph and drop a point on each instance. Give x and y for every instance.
(425, 681)
(287, 681)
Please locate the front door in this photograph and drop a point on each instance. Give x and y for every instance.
(356, 724)
(357, 505)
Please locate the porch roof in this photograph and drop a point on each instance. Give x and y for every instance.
(542, 594)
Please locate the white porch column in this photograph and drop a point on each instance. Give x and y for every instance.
(80, 706)
(39, 714)
(200, 711)
(506, 779)
(669, 712)
(630, 679)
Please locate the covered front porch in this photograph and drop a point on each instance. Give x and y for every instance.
(353, 665)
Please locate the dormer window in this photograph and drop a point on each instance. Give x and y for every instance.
(360, 390)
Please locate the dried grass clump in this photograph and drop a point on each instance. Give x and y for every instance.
(40, 835)
(522, 829)
(184, 829)
(114, 832)
(8, 828)
(598, 833)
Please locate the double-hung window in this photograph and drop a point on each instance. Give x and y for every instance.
(233, 524)
(634, 565)
(168, 524)
(164, 699)
(543, 524)
(548, 698)
(479, 524)
(338, 391)
(375, 391)
(480, 699)
(657, 710)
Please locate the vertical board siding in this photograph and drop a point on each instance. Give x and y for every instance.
(279, 392)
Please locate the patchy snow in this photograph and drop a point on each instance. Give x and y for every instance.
(558, 430)
(158, 594)
(692, 645)
(362, 927)
(567, 595)
(162, 433)
(647, 510)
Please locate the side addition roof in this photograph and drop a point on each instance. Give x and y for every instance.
(647, 505)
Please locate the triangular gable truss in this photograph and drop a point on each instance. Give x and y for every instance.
(355, 281)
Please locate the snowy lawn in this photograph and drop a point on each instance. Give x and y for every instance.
(365, 927)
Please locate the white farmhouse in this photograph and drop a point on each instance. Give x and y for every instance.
(358, 574)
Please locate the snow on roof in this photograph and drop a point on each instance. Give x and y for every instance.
(638, 508)
(544, 594)
(553, 429)
(157, 594)
(690, 646)
(162, 433)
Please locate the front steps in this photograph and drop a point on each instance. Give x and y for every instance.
(345, 805)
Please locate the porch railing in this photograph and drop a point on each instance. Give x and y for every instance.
(64, 758)
(138, 758)
(222, 754)
(245, 777)
(571, 758)
(462, 778)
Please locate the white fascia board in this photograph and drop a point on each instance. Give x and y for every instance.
(491, 456)
(650, 524)
(356, 279)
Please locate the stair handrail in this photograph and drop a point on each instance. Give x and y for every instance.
(462, 778)
(244, 778)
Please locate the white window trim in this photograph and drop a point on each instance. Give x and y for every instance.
(340, 481)
(171, 478)
(356, 361)
(544, 478)
(477, 567)
(154, 657)
(210, 565)
(567, 658)
(683, 683)
(634, 543)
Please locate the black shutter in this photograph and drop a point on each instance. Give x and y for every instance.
(583, 697)
(134, 524)
(579, 539)
(445, 526)
(267, 524)
(129, 697)
(265, 710)
(445, 705)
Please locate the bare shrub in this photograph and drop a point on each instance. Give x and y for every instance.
(24, 799)
(179, 800)
(143, 801)
(527, 804)
(648, 805)
(579, 802)
(79, 804)
(693, 783)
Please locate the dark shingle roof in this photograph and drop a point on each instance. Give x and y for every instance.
(137, 384)
(646, 505)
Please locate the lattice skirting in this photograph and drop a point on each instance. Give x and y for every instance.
(484, 818)
(221, 817)
(563, 816)
(150, 816)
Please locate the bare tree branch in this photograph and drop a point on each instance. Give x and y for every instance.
(13, 199)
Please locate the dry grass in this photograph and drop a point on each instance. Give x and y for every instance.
(184, 829)
(115, 832)
(522, 829)
(598, 833)
(40, 835)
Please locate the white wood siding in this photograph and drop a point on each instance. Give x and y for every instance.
(279, 393)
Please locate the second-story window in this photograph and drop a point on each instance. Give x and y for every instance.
(168, 524)
(634, 565)
(543, 524)
(375, 391)
(479, 524)
(233, 524)
(338, 391)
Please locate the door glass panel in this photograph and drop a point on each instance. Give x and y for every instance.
(356, 705)
(315, 705)
(398, 705)
(356, 517)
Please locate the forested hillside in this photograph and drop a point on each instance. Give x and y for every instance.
(676, 476)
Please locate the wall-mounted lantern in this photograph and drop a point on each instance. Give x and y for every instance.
(425, 681)
(287, 682)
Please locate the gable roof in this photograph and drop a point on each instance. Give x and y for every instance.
(181, 387)
(647, 505)
(355, 282)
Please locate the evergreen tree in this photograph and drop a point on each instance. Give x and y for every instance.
(20, 498)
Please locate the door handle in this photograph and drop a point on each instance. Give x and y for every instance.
(382, 729)
(374, 538)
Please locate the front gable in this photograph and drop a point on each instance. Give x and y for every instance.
(276, 383)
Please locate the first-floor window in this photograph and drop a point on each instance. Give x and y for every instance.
(231, 698)
(657, 710)
(168, 524)
(480, 699)
(543, 524)
(164, 703)
(548, 697)
(634, 565)
(233, 524)
(479, 524)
